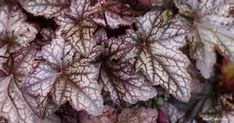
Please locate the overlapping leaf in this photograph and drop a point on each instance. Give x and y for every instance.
(114, 14)
(15, 32)
(14, 29)
(156, 52)
(78, 27)
(213, 25)
(47, 8)
(14, 105)
(67, 78)
(118, 76)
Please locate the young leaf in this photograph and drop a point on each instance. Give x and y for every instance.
(47, 8)
(156, 53)
(15, 32)
(67, 78)
(213, 27)
(118, 77)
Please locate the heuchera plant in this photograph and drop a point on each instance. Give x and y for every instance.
(115, 61)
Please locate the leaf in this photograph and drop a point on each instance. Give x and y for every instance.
(156, 53)
(114, 14)
(3, 56)
(81, 37)
(212, 29)
(141, 115)
(174, 114)
(14, 30)
(109, 116)
(122, 82)
(67, 78)
(77, 26)
(113, 20)
(14, 103)
(227, 117)
(47, 8)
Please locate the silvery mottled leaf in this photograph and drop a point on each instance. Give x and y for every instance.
(227, 117)
(14, 103)
(3, 55)
(67, 78)
(156, 52)
(109, 115)
(81, 37)
(213, 28)
(113, 20)
(114, 14)
(14, 106)
(47, 8)
(122, 82)
(14, 30)
(22, 62)
(77, 26)
(141, 115)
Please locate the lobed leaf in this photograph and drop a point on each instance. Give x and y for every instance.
(15, 105)
(212, 29)
(118, 77)
(14, 30)
(47, 8)
(77, 27)
(115, 14)
(67, 78)
(156, 52)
